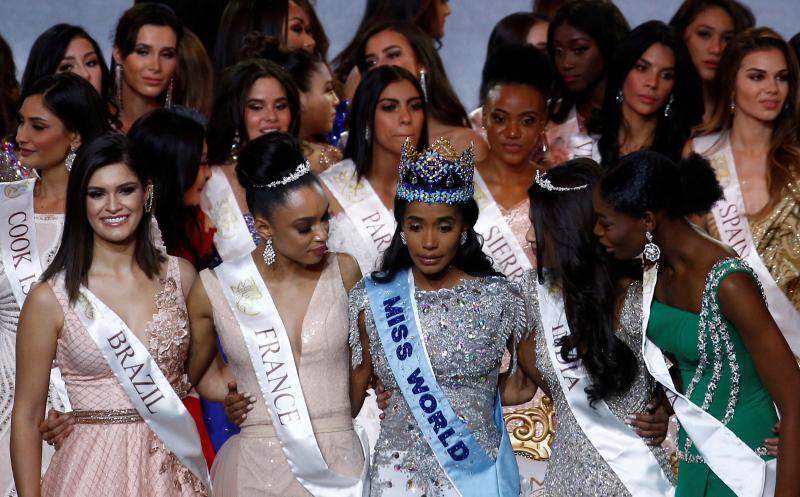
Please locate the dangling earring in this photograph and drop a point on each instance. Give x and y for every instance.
(463, 239)
(733, 103)
(70, 158)
(403, 238)
(543, 143)
(652, 252)
(269, 253)
(668, 108)
(148, 199)
(235, 146)
(168, 100)
(118, 84)
(619, 98)
(423, 82)
(367, 134)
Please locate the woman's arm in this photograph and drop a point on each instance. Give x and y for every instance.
(40, 321)
(361, 375)
(213, 385)
(203, 345)
(741, 303)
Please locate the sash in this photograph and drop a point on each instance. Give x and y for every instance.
(373, 221)
(18, 237)
(625, 452)
(726, 455)
(273, 362)
(734, 230)
(142, 381)
(499, 242)
(464, 461)
(232, 238)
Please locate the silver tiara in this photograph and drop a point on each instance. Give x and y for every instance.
(544, 182)
(301, 170)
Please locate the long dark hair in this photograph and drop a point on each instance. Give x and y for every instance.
(741, 15)
(228, 116)
(74, 256)
(569, 252)
(470, 257)
(686, 108)
(375, 12)
(171, 146)
(300, 64)
(321, 42)
(443, 103)
(50, 47)
(133, 20)
(242, 17)
(75, 102)
(9, 90)
(362, 114)
(603, 22)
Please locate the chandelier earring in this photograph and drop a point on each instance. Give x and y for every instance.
(423, 82)
(235, 145)
(70, 158)
(168, 100)
(148, 199)
(620, 97)
(118, 85)
(403, 238)
(463, 238)
(269, 253)
(668, 108)
(652, 252)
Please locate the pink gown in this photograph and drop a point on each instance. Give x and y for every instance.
(252, 463)
(120, 459)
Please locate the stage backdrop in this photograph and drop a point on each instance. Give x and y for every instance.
(463, 48)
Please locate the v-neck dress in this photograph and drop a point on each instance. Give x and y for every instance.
(120, 457)
(680, 333)
(252, 463)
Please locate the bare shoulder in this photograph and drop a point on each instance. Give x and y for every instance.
(348, 267)
(42, 305)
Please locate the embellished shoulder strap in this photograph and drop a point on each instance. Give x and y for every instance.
(725, 267)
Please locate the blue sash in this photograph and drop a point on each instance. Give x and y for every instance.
(466, 464)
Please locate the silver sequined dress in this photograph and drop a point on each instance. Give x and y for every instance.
(465, 330)
(575, 468)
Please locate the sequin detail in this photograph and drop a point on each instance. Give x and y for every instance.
(465, 329)
(575, 467)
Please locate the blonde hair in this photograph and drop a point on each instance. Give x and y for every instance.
(783, 159)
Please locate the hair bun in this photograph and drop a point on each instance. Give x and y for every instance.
(699, 187)
(268, 158)
(256, 44)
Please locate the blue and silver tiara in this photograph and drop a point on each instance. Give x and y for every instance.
(438, 175)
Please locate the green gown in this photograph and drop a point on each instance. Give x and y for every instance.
(753, 413)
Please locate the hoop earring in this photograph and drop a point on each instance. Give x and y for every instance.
(423, 82)
(118, 84)
(70, 158)
(269, 253)
(652, 252)
(620, 97)
(235, 145)
(168, 99)
(668, 108)
(463, 239)
(148, 199)
(403, 238)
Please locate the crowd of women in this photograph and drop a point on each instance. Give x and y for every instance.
(616, 226)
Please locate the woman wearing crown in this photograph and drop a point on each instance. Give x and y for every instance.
(432, 324)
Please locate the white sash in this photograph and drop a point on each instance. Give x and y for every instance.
(736, 464)
(232, 238)
(20, 253)
(273, 362)
(374, 222)
(142, 381)
(734, 230)
(499, 242)
(18, 237)
(625, 452)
